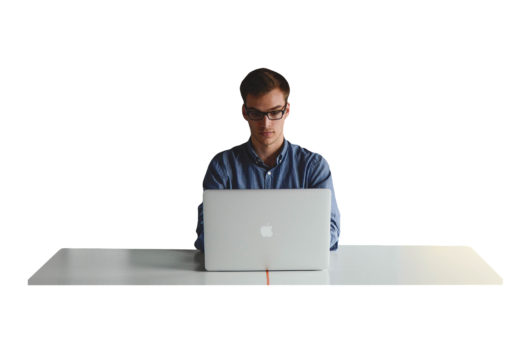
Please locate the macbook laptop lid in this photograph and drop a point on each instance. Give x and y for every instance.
(273, 229)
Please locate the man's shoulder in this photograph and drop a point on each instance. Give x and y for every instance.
(301, 150)
(230, 154)
(302, 154)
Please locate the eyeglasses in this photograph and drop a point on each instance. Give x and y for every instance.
(254, 114)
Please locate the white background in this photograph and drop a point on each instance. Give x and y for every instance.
(111, 111)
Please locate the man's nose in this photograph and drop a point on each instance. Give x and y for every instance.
(266, 121)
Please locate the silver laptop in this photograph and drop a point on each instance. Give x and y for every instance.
(278, 229)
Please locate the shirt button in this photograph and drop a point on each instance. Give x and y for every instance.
(268, 173)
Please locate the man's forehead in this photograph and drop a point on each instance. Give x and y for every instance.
(270, 100)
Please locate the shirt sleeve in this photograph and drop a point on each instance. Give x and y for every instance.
(320, 177)
(215, 178)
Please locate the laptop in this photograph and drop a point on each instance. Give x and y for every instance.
(272, 229)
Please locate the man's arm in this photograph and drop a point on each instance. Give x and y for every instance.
(320, 178)
(215, 178)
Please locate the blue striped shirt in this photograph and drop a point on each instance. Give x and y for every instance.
(296, 168)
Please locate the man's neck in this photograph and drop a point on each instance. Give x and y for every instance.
(268, 154)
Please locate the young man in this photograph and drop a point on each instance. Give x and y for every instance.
(267, 160)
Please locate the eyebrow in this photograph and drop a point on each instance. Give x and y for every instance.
(273, 108)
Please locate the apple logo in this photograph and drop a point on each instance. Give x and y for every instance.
(266, 231)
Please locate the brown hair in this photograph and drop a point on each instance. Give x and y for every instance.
(261, 81)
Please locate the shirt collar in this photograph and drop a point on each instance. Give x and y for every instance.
(279, 159)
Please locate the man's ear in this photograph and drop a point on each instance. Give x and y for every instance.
(287, 110)
(243, 111)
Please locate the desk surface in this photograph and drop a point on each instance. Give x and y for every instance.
(350, 264)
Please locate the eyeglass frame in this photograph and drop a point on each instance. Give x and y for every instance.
(263, 114)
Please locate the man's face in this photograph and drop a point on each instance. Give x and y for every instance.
(266, 132)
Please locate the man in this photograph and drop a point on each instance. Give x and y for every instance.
(267, 160)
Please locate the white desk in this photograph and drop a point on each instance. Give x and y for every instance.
(350, 264)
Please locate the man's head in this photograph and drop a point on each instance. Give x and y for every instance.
(261, 81)
(265, 91)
